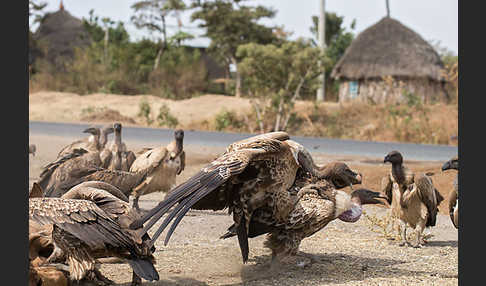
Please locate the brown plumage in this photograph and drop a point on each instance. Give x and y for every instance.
(89, 223)
(116, 156)
(162, 165)
(454, 194)
(414, 199)
(125, 181)
(73, 165)
(252, 173)
(317, 202)
(93, 143)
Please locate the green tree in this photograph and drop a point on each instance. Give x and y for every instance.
(152, 14)
(35, 11)
(274, 76)
(230, 24)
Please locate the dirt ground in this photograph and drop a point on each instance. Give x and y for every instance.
(350, 253)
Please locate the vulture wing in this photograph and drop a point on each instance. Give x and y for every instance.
(208, 179)
(429, 196)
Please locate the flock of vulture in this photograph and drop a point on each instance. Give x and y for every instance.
(79, 210)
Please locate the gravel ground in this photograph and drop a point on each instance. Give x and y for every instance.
(349, 253)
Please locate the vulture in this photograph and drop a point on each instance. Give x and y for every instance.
(318, 202)
(115, 156)
(453, 195)
(93, 143)
(92, 221)
(251, 174)
(414, 200)
(72, 165)
(32, 149)
(162, 165)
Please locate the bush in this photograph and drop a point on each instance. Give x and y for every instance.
(225, 119)
(165, 118)
(144, 111)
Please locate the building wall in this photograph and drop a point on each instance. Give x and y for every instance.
(391, 91)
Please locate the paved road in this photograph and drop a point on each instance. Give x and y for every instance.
(419, 152)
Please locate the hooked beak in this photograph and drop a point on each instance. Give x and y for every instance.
(90, 130)
(446, 166)
(387, 159)
(377, 196)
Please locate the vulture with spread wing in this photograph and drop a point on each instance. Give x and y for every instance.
(252, 174)
(414, 199)
(92, 221)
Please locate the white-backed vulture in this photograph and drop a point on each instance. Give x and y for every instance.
(72, 165)
(454, 194)
(163, 164)
(318, 202)
(32, 149)
(413, 199)
(90, 143)
(253, 173)
(90, 222)
(115, 155)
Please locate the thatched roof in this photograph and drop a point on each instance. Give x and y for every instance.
(388, 48)
(61, 32)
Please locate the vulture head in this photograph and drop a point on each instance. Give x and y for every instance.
(394, 157)
(179, 134)
(32, 149)
(451, 164)
(92, 130)
(366, 196)
(108, 130)
(117, 127)
(340, 175)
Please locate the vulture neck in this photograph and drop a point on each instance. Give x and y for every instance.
(398, 173)
(179, 145)
(94, 140)
(117, 138)
(103, 139)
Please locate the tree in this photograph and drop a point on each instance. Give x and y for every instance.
(151, 15)
(275, 75)
(35, 10)
(230, 24)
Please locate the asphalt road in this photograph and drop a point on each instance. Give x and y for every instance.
(418, 152)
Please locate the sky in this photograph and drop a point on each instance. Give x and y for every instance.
(434, 20)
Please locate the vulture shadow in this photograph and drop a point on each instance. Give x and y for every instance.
(442, 243)
(337, 267)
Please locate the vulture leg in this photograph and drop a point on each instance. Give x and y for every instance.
(136, 280)
(95, 276)
(403, 226)
(135, 202)
(419, 241)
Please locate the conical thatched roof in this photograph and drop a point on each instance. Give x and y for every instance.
(388, 48)
(61, 32)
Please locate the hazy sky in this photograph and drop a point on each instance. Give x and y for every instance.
(435, 20)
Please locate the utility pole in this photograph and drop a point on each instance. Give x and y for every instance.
(321, 31)
(387, 9)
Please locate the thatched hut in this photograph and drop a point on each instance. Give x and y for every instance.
(386, 61)
(58, 35)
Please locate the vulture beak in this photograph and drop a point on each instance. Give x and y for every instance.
(90, 130)
(109, 130)
(446, 166)
(375, 196)
(387, 159)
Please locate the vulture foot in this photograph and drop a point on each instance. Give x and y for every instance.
(404, 243)
(136, 280)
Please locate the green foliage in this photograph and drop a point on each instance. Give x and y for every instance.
(165, 118)
(225, 119)
(180, 75)
(277, 74)
(144, 111)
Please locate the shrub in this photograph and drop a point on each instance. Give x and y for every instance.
(144, 111)
(225, 119)
(165, 118)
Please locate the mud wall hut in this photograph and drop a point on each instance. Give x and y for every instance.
(387, 61)
(57, 36)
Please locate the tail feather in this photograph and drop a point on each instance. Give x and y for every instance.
(144, 268)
